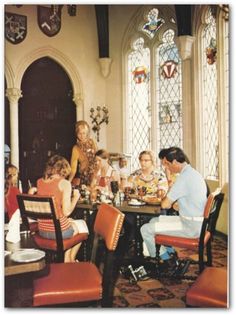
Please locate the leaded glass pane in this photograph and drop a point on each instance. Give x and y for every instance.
(226, 50)
(153, 24)
(210, 108)
(169, 93)
(138, 101)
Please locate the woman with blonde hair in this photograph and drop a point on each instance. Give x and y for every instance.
(147, 177)
(82, 156)
(11, 190)
(146, 180)
(54, 183)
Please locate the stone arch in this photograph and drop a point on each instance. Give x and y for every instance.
(60, 58)
(9, 75)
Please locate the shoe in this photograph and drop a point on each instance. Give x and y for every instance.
(182, 268)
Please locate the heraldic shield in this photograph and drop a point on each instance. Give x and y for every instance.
(49, 19)
(15, 27)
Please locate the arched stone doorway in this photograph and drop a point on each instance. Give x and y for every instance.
(47, 115)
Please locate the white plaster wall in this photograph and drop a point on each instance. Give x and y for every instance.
(120, 16)
(77, 40)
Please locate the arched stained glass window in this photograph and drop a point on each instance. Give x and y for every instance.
(138, 100)
(169, 96)
(154, 104)
(210, 107)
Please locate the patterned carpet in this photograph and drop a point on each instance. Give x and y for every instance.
(165, 293)
(151, 293)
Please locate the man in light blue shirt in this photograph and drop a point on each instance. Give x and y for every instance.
(190, 191)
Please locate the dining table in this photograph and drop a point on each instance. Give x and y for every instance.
(13, 267)
(19, 274)
(87, 211)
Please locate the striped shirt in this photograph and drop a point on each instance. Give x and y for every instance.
(51, 188)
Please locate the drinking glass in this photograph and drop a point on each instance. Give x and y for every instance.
(114, 187)
(93, 195)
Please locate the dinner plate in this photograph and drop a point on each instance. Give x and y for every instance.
(27, 255)
(138, 203)
(152, 200)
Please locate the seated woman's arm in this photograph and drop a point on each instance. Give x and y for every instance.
(32, 190)
(68, 202)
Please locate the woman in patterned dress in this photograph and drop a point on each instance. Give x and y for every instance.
(83, 155)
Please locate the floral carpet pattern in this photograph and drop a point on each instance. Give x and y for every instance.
(165, 292)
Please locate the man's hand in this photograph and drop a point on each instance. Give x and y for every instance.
(161, 193)
(175, 206)
(166, 203)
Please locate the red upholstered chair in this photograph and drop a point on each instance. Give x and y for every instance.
(209, 290)
(81, 282)
(211, 213)
(43, 207)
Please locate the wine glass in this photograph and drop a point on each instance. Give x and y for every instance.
(114, 187)
(127, 192)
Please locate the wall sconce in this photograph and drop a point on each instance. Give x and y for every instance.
(98, 116)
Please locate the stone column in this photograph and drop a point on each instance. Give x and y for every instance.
(79, 103)
(185, 44)
(13, 95)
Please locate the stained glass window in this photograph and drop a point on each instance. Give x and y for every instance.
(169, 95)
(142, 105)
(138, 100)
(226, 51)
(210, 107)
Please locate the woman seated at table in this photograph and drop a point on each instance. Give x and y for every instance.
(11, 190)
(104, 173)
(54, 183)
(147, 180)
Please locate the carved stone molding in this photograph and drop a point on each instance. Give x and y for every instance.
(79, 103)
(13, 94)
(78, 100)
(185, 44)
(105, 66)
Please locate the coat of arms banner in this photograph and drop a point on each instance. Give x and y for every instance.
(49, 19)
(15, 27)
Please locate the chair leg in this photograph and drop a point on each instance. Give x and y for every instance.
(209, 255)
(201, 258)
(158, 246)
(108, 281)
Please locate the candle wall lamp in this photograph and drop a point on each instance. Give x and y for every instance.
(98, 116)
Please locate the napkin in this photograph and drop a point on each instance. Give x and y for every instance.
(13, 234)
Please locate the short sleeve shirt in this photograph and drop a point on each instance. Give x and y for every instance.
(156, 181)
(190, 191)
